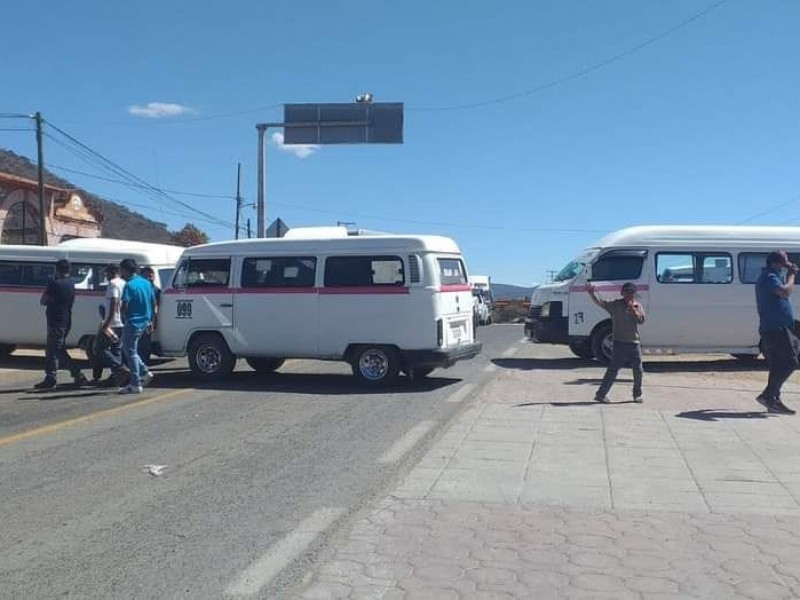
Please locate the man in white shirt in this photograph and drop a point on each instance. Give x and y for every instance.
(109, 348)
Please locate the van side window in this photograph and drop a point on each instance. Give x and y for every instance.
(359, 271)
(204, 272)
(281, 271)
(617, 268)
(751, 263)
(10, 273)
(693, 267)
(37, 275)
(451, 271)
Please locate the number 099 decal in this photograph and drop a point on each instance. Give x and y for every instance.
(183, 309)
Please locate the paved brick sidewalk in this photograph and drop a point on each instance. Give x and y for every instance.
(537, 492)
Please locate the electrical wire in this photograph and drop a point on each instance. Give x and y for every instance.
(98, 160)
(770, 210)
(581, 73)
(180, 193)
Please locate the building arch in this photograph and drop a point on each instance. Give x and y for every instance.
(21, 224)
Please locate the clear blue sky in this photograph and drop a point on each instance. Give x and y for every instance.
(699, 126)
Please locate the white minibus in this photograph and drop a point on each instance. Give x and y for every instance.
(694, 281)
(26, 270)
(383, 303)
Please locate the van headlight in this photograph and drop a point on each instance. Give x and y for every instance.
(545, 310)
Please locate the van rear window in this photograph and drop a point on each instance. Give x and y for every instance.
(362, 271)
(451, 271)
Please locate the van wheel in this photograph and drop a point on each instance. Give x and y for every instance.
(210, 358)
(6, 349)
(376, 365)
(582, 348)
(263, 365)
(603, 344)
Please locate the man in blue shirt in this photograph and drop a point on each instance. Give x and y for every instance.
(137, 310)
(776, 326)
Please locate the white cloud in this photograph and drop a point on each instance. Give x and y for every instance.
(159, 110)
(299, 150)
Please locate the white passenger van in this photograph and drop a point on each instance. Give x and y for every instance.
(383, 303)
(26, 270)
(695, 282)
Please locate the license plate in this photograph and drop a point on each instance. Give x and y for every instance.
(456, 332)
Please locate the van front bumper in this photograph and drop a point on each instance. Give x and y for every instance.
(441, 357)
(552, 330)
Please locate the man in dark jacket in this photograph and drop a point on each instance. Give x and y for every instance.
(776, 326)
(59, 297)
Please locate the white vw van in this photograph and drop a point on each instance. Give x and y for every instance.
(383, 303)
(26, 270)
(694, 281)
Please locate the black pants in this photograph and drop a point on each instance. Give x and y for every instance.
(781, 347)
(55, 355)
(624, 352)
(107, 353)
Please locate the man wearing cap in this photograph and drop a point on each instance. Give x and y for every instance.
(626, 316)
(776, 326)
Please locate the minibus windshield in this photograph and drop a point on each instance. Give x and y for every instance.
(571, 271)
(574, 267)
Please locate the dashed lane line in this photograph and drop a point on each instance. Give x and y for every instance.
(263, 571)
(510, 352)
(55, 427)
(406, 442)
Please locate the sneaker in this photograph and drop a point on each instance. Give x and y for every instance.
(48, 383)
(79, 380)
(131, 389)
(638, 399)
(764, 401)
(602, 399)
(776, 406)
(147, 378)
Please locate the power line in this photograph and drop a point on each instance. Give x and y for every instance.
(770, 210)
(111, 180)
(93, 157)
(581, 73)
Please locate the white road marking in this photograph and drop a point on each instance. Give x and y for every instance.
(266, 568)
(461, 393)
(510, 352)
(406, 442)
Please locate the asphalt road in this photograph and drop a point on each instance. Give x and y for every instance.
(259, 474)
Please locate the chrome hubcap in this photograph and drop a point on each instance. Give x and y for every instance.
(208, 359)
(373, 365)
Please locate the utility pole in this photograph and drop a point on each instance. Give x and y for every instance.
(40, 160)
(248, 229)
(261, 207)
(238, 196)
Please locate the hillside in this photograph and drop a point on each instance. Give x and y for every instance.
(118, 222)
(504, 291)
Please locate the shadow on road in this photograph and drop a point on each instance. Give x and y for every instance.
(711, 414)
(661, 366)
(552, 364)
(297, 383)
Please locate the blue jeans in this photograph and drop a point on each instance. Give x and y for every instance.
(781, 347)
(108, 353)
(130, 348)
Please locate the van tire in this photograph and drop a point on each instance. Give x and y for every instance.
(582, 348)
(210, 359)
(265, 365)
(6, 349)
(602, 344)
(375, 365)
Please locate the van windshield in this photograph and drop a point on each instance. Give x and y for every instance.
(571, 271)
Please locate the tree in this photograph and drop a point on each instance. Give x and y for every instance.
(190, 235)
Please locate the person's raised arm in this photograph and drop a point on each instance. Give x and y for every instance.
(591, 290)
